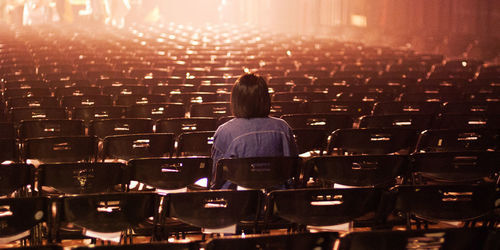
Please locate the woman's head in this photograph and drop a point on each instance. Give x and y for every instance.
(250, 97)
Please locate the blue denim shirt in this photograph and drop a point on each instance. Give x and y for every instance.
(254, 137)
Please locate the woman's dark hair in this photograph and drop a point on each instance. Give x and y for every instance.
(250, 97)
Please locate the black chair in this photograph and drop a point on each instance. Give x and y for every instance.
(455, 167)
(127, 100)
(106, 127)
(170, 173)
(22, 114)
(351, 108)
(33, 101)
(434, 203)
(394, 108)
(125, 90)
(86, 101)
(372, 141)
(445, 239)
(48, 128)
(127, 147)
(325, 207)
(467, 121)
(156, 111)
(10, 151)
(415, 121)
(88, 114)
(143, 246)
(311, 140)
(81, 178)
(22, 218)
(279, 108)
(107, 213)
(329, 122)
(489, 108)
(448, 140)
(61, 149)
(210, 109)
(197, 143)
(358, 170)
(295, 241)
(259, 172)
(180, 125)
(7, 130)
(15, 179)
(76, 91)
(39, 92)
(213, 210)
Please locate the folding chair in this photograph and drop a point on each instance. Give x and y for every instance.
(76, 91)
(180, 125)
(127, 147)
(279, 108)
(106, 127)
(394, 108)
(21, 114)
(414, 121)
(353, 109)
(358, 170)
(372, 141)
(156, 111)
(88, 114)
(17, 179)
(86, 101)
(33, 101)
(467, 121)
(60, 149)
(48, 128)
(131, 99)
(311, 139)
(471, 107)
(449, 140)
(328, 122)
(197, 143)
(259, 172)
(210, 109)
(292, 241)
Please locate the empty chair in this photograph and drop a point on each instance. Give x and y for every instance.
(279, 108)
(467, 121)
(292, 241)
(16, 178)
(60, 149)
(357, 170)
(48, 128)
(7, 130)
(193, 97)
(22, 217)
(76, 91)
(258, 172)
(112, 214)
(415, 121)
(447, 140)
(170, 173)
(299, 96)
(127, 147)
(434, 203)
(329, 122)
(88, 114)
(197, 143)
(210, 109)
(213, 210)
(33, 101)
(490, 108)
(351, 108)
(156, 111)
(9, 150)
(181, 125)
(454, 167)
(216, 88)
(79, 178)
(144, 246)
(114, 90)
(325, 207)
(445, 239)
(86, 101)
(372, 141)
(394, 108)
(127, 100)
(13, 93)
(105, 127)
(311, 139)
(22, 114)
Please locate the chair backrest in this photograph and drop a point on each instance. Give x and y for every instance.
(33, 101)
(86, 101)
(394, 108)
(78, 178)
(22, 114)
(213, 209)
(329, 122)
(296, 241)
(180, 125)
(88, 114)
(258, 172)
(323, 207)
(131, 146)
(446, 202)
(61, 149)
(106, 213)
(351, 108)
(357, 170)
(279, 108)
(309, 139)
(471, 107)
(48, 128)
(458, 167)
(156, 111)
(9, 150)
(210, 109)
(445, 238)
(447, 140)
(21, 215)
(127, 100)
(415, 121)
(197, 143)
(467, 121)
(170, 173)
(7, 130)
(15, 177)
(373, 141)
(120, 126)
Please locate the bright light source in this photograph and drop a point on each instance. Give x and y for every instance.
(358, 20)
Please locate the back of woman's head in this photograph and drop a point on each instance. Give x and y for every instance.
(250, 97)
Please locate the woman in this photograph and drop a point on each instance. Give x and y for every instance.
(252, 133)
